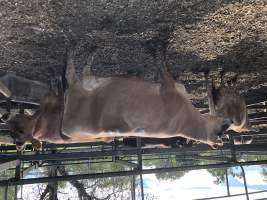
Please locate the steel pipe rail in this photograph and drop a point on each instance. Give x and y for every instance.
(125, 173)
(124, 152)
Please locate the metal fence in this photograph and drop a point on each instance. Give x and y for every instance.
(133, 158)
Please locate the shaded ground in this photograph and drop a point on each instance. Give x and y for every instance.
(124, 35)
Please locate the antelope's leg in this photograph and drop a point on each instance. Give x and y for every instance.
(70, 70)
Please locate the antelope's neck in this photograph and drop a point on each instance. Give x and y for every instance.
(194, 127)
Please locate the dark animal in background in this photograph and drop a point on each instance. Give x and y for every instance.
(22, 89)
(175, 142)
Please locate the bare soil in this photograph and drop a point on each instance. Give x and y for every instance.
(125, 35)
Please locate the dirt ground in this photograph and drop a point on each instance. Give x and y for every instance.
(124, 36)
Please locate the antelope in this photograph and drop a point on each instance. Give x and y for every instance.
(225, 102)
(118, 107)
(20, 89)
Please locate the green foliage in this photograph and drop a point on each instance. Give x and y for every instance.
(167, 161)
(109, 186)
(170, 175)
(219, 174)
(10, 192)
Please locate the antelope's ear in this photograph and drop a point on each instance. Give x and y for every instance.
(216, 145)
(29, 112)
(36, 144)
(226, 124)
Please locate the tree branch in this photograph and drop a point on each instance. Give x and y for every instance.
(45, 192)
(83, 195)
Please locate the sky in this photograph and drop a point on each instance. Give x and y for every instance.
(200, 184)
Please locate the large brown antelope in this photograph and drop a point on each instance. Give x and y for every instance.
(227, 103)
(119, 107)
